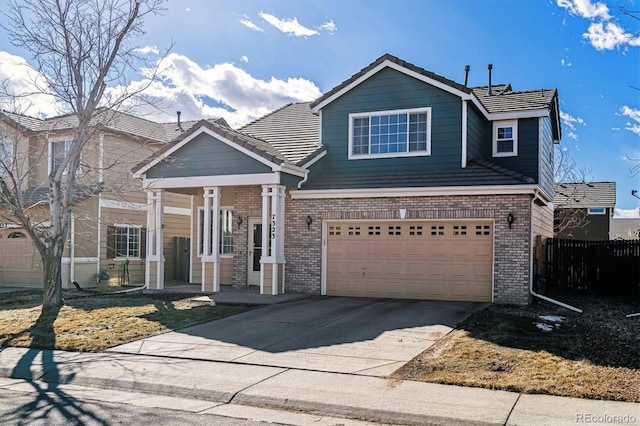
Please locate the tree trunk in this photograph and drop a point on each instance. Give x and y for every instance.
(52, 262)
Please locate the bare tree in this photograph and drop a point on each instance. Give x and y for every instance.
(566, 214)
(81, 47)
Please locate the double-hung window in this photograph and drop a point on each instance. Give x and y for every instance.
(225, 244)
(398, 133)
(127, 241)
(505, 138)
(58, 151)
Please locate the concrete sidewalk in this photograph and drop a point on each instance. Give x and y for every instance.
(332, 394)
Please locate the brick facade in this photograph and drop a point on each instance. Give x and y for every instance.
(303, 243)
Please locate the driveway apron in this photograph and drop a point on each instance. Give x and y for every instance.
(363, 336)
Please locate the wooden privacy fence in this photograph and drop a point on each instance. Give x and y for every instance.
(608, 268)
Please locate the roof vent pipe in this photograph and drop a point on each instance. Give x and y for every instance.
(467, 68)
(490, 68)
(179, 124)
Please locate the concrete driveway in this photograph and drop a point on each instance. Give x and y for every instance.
(363, 336)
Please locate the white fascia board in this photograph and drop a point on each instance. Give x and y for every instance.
(397, 67)
(67, 260)
(291, 169)
(209, 181)
(139, 174)
(513, 115)
(414, 192)
(141, 207)
(314, 160)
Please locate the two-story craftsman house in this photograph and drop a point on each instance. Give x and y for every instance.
(396, 183)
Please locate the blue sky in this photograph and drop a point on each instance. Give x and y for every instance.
(241, 59)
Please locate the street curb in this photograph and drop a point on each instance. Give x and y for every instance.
(355, 413)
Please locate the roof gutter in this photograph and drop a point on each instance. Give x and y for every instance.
(531, 277)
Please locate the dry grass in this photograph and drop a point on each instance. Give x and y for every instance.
(594, 355)
(97, 322)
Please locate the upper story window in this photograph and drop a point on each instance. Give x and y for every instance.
(6, 154)
(505, 138)
(399, 133)
(57, 152)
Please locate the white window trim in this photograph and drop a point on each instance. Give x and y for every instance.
(596, 211)
(50, 151)
(505, 123)
(5, 141)
(199, 233)
(126, 225)
(427, 152)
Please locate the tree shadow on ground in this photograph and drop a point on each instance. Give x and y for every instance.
(43, 377)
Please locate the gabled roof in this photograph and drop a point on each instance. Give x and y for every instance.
(391, 60)
(255, 145)
(109, 119)
(585, 194)
(502, 103)
(292, 130)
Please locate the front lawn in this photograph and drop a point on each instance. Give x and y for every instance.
(541, 349)
(97, 322)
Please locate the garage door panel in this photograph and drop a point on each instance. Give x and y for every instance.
(422, 260)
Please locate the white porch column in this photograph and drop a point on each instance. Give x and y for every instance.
(211, 240)
(273, 260)
(155, 208)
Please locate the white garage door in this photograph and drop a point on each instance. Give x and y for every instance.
(410, 259)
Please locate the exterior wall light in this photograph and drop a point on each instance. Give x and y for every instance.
(510, 219)
(239, 220)
(309, 221)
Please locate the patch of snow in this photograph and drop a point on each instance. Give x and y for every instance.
(544, 327)
(552, 318)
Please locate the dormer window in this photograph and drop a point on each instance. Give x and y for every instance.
(505, 138)
(385, 134)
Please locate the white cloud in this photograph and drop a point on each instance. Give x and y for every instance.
(572, 136)
(27, 91)
(609, 36)
(223, 90)
(289, 27)
(185, 86)
(249, 24)
(628, 213)
(188, 9)
(329, 26)
(244, 58)
(585, 8)
(565, 63)
(147, 49)
(633, 114)
(571, 121)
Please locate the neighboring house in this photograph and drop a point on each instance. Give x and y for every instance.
(583, 210)
(110, 215)
(396, 183)
(625, 228)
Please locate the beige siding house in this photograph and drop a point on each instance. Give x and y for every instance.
(108, 228)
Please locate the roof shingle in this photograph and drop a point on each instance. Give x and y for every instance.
(585, 194)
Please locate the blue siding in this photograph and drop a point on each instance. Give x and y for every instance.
(207, 156)
(478, 133)
(546, 156)
(391, 90)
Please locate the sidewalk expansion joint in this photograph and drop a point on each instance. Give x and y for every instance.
(230, 401)
(506, 421)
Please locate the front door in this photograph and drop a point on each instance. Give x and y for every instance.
(255, 251)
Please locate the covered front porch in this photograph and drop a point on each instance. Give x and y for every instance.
(237, 209)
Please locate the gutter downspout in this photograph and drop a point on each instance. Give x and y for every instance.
(533, 293)
(72, 250)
